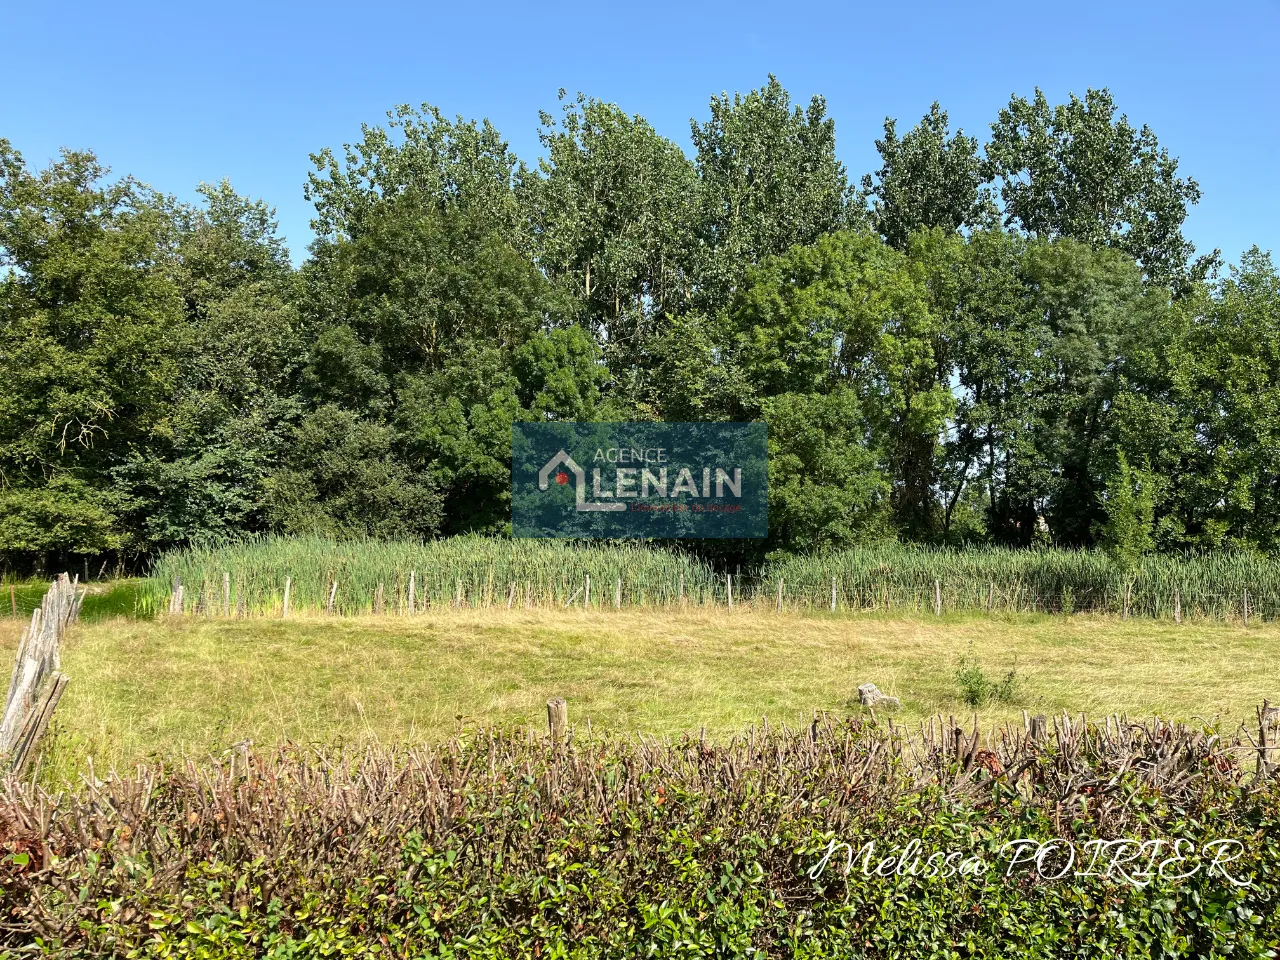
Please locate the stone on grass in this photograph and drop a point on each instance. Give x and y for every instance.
(870, 696)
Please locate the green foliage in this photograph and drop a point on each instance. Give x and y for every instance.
(168, 378)
(1128, 532)
(613, 207)
(977, 689)
(768, 180)
(1077, 171)
(927, 180)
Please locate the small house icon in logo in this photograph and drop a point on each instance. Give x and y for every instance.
(579, 482)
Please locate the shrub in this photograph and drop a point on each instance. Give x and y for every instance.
(977, 689)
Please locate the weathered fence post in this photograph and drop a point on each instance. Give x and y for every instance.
(991, 594)
(378, 599)
(780, 594)
(413, 593)
(1246, 607)
(833, 594)
(557, 719)
(457, 600)
(728, 587)
(1268, 717)
(226, 594)
(937, 598)
(511, 595)
(37, 682)
(617, 595)
(1177, 605)
(288, 588)
(333, 595)
(1128, 592)
(680, 593)
(586, 597)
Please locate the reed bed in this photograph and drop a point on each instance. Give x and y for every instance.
(1221, 586)
(375, 577)
(320, 575)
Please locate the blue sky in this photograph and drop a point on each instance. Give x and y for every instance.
(177, 93)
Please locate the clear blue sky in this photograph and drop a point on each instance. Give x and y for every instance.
(176, 93)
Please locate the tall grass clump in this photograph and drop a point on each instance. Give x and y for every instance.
(470, 571)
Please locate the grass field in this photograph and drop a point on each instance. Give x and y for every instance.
(193, 685)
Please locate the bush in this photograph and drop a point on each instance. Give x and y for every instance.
(977, 689)
(503, 846)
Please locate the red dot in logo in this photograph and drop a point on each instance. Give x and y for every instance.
(562, 478)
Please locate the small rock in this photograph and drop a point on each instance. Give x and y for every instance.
(870, 696)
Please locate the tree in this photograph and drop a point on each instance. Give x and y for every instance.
(612, 212)
(1127, 534)
(927, 179)
(454, 164)
(1224, 401)
(1078, 171)
(342, 478)
(202, 475)
(87, 360)
(826, 488)
(769, 180)
(850, 311)
(1095, 317)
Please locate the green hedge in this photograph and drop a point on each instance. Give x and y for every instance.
(506, 846)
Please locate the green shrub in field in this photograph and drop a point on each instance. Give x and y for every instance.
(977, 689)
(505, 846)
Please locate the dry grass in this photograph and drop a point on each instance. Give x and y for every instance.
(140, 687)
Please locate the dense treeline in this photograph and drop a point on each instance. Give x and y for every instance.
(1007, 342)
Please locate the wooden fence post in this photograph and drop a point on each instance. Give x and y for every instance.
(457, 600)
(1128, 593)
(586, 597)
(833, 594)
(413, 592)
(37, 682)
(991, 594)
(937, 598)
(1268, 716)
(617, 595)
(333, 595)
(1177, 605)
(1246, 607)
(680, 593)
(288, 586)
(780, 594)
(728, 586)
(378, 599)
(557, 719)
(511, 595)
(226, 594)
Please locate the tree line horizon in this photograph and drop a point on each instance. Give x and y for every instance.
(1006, 343)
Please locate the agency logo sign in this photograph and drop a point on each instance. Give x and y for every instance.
(663, 480)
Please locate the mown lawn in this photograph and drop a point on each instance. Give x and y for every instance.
(140, 687)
